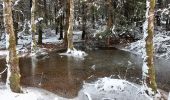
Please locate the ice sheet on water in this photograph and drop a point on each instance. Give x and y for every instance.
(112, 89)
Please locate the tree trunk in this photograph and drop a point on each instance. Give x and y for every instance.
(149, 78)
(70, 28)
(13, 74)
(33, 27)
(61, 27)
(16, 32)
(56, 20)
(110, 15)
(40, 33)
(93, 16)
(83, 21)
(67, 22)
(45, 13)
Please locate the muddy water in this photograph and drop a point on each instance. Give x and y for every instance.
(65, 75)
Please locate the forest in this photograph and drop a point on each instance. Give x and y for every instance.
(84, 49)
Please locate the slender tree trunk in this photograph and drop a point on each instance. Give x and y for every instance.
(83, 21)
(70, 28)
(149, 77)
(16, 32)
(67, 22)
(33, 27)
(40, 33)
(45, 13)
(110, 15)
(61, 27)
(56, 20)
(13, 73)
(93, 17)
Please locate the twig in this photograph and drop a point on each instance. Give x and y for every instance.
(3, 71)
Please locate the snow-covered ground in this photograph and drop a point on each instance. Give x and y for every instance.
(24, 40)
(113, 89)
(29, 94)
(103, 89)
(161, 45)
(75, 53)
(49, 37)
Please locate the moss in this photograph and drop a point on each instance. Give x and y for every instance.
(15, 82)
(150, 80)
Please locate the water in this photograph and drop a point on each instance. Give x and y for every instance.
(65, 75)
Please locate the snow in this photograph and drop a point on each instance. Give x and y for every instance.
(3, 53)
(75, 53)
(169, 96)
(16, 2)
(30, 93)
(112, 89)
(51, 40)
(100, 30)
(144, 55)
(38, 20)
(49, 37)
(102, 89)
(161, 45)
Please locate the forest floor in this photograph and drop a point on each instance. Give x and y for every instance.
(50, 42)
(161, 41)
(102, 89)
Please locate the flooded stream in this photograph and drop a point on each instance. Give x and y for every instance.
(65, 75)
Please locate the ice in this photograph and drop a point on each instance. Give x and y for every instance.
(112, 89)
(102, 89)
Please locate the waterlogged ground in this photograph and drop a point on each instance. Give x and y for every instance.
(65, 76)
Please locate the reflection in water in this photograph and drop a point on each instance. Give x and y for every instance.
(33, 67)
(34, 64)
(65, 75)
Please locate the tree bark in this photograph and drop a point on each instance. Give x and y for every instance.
(83, 21)
(33, 27)
(13, 74)
(45, 13)
(40, 33)
(150, 77)
(67, 22)
(61, 27)
(70, 28)
(93, 16)
(56, 20)
(110, 15)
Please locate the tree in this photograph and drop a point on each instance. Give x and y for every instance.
(70, 27)
(56, 9)
(149, 75)
(110, 15)
(67, 11)
(45, 12)
(40, 32)
(13, 74)
(61, 21)
(33, 27)
(83, 20)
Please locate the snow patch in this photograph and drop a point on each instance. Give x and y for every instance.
(3, 53)
(29, 94)
(112, 89)
(75, 53)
